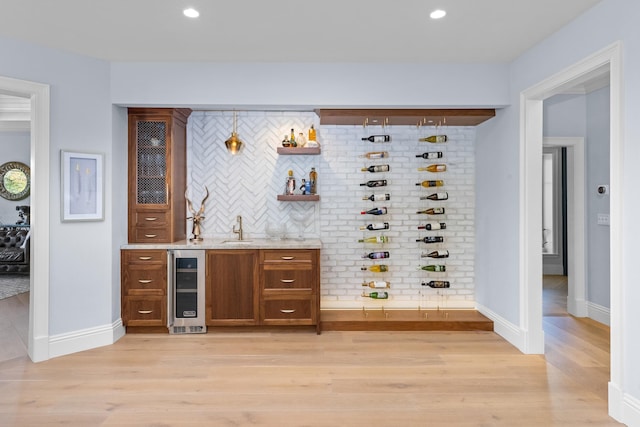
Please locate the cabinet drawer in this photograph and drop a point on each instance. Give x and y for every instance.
(141, 280)
(144, 257)
(145, 311)
(152, 235)
(289, 311)
(286, 255)
(150, 219)
(289, 279)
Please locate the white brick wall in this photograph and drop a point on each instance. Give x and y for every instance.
(258, 175)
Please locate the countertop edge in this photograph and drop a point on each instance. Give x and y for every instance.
(220, 244)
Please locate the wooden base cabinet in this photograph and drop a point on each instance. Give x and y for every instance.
(144, 289)
(231, 287)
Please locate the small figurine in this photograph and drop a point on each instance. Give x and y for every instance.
(197, 217)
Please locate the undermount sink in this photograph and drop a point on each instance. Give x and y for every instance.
(236, 242)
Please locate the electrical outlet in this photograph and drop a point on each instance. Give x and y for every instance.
(603, 219)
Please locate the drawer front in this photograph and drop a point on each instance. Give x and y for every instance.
(148, 219)
(145, 311)
(152, 235)
(145, 280)
(289, 311)
(144, 257)
(286, 255)
(289, 279)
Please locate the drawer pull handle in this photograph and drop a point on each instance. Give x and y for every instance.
(144, 281)
(287, 280)
(150, 236)
(144, 258)
(150, 218)
(145, 311)
(288, 258)
(285, 311)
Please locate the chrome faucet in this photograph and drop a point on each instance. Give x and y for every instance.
(239, 230)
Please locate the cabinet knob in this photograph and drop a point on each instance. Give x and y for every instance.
(145, 311)
(287, 311)
(145, 281)
(287, 280)
(288, 258)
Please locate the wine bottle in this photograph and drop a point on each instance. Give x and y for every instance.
(377, 138)
(375, 211)
(376, 183)
(436, 268)
(437, 284)
(433, 226)
(434, 168)
(378, 268)
(376, 155)
(376, 226)
(432, 183)
(436, 196)
(376, 295)
(313, 178)
(436, 254)
(434, 138)
(375, 239)
(376, 168)
(377, 197)
(377, 284)
(376, 255)
(431, 239)
(432, 211)
(431, 155)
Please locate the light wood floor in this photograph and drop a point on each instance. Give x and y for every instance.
(334, 379)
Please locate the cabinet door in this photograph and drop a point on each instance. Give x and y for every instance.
(232, 289)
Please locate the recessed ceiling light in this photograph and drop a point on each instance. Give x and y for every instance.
(437, 14)
(191, 13)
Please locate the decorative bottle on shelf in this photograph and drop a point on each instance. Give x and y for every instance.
(431, 183)
(377, 197)
(313, 178)
(375, 239)
(377, 295)
(437, 284)
(292, 139)
(431, 239)
(377, 138)
(436, 254)
(436, 268)
(378, 268)
(431, 155)
(376, 255)
(312, 134)
(377, 284)
(432, 211)
(434, 225)
(375, 155)
(375, 211)
(434, 139)
(375, 183)
(290, 185)
(376, 168)
(433, 168)
(436, 196)
(376, 226)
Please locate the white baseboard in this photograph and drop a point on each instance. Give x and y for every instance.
(622, 407)
(85, 339)
(599, 313)
(507, 330)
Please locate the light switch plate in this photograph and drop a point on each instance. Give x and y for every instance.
(603, 219)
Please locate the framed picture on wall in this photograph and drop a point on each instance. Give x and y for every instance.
(82, 186)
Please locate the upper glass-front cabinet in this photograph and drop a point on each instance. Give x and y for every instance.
(151, 154)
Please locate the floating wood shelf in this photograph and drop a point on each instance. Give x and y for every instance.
(287, 151)
(299, 198)
(405, 117)
(404, 320)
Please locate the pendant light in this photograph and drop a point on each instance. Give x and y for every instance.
(234, 145)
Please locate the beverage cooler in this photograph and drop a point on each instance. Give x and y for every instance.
(186, 304)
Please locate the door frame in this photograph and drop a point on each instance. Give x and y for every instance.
(607, 60)
(38, 93)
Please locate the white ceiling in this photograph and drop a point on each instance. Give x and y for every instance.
(289, 30)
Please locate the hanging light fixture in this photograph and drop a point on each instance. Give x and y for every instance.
(234, 145)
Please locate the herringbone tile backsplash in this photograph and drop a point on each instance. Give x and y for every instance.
(248, 184)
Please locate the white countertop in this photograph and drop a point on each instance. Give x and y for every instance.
(231, 244)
